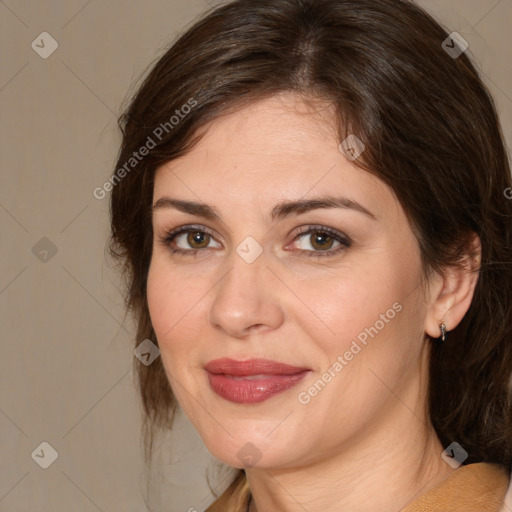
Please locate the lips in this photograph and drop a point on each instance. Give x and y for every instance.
(253, 380)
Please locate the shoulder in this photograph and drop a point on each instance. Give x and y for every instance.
(477, 487)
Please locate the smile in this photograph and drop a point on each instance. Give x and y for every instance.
(252, 381)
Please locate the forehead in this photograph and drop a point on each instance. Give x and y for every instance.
(284, 122)
(279, 148)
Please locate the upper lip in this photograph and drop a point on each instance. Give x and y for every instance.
(251, 367)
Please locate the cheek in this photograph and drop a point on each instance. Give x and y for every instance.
(159, 297)
(170, 304)
(376, 317)
(168, 312)
(178, 310)
(171, 298)
(348, 305)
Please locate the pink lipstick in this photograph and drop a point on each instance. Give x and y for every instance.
(253, 380)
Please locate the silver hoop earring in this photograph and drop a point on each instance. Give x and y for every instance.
(443, 331)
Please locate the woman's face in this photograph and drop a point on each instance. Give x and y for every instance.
(335, 292)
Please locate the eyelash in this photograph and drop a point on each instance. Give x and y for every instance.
(344, 240)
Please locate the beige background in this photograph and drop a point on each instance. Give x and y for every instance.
(66, 350)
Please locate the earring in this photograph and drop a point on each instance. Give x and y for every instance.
(443, 331)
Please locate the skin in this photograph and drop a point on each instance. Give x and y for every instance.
(368, 429)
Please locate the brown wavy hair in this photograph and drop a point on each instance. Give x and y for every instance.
(431, 132)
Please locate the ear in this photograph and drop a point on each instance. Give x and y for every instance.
(449, 297)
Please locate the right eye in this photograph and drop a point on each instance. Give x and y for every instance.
(187, 239)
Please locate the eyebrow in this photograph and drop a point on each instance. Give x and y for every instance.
(279, 211)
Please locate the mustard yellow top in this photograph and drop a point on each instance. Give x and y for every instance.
(477, 487)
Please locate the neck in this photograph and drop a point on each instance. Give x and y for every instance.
(387, 466)
(385, 480)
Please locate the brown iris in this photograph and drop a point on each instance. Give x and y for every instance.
(320, 239)
(198, 237)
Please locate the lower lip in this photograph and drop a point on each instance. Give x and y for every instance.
(244, 391)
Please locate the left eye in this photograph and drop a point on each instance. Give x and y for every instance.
(318, 240)
(322, 240)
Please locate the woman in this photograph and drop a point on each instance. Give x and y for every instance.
(309, 200)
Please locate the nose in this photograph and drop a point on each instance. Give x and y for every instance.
(246, 300)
